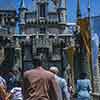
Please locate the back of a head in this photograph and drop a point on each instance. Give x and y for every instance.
(37, 61)
(83, 75)
(18, 84)
(54, 69)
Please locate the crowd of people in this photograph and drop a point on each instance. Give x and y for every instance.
(42, 84)
(10, 87)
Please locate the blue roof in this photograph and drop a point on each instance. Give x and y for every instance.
(51, 6)
(62, 4)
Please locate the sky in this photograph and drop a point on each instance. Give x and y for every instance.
(71, 7)
(72, 4)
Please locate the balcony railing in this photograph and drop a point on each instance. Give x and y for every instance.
(33, 21)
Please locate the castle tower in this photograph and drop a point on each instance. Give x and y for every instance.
(62, 11)
(42, 13)
(22, 10)
(42, 8)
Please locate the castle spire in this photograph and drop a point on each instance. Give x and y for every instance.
(78, 10)
(22, 10)
(89, 9)
(22, 4)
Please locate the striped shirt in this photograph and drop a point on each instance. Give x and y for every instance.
(17, 93)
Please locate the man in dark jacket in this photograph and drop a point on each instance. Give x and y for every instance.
(40, 84)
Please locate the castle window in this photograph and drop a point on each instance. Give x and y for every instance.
(0, 19)
(42, 10)
(42, 30)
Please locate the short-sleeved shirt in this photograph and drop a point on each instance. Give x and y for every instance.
(64, 88)
(84, 88)
(40, 84)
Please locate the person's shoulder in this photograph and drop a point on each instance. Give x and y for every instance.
(83, 80)
(88, 80)
(49, 73)
(28, 72)
(78, 81)
(63, 81)
(1, 78)
(60, 78)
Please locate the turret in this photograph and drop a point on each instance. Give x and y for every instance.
(22, 10)
(62, 11)
(42, 8)
(42, 13)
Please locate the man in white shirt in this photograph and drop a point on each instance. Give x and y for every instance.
(62, 83)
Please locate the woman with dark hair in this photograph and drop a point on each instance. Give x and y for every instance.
(83, 87)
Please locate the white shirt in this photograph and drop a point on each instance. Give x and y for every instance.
(63, 85)
(17, 93)
(2, 82)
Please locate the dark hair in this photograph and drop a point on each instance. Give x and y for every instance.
(83, 75)
(37, 61)
(18, 84)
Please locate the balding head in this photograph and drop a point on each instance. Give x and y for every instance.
(54, 70)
